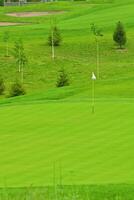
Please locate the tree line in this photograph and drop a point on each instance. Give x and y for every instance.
(54, 40)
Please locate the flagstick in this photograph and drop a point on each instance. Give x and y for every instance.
(93, 95)
(93, 92)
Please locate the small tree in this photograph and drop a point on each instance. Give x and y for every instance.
(2, 86)
(17, 89)
(6, 40)
(54, 37)
(20, 56)
(1, 2)
(97, 32)
(119, 35)
(63, 79)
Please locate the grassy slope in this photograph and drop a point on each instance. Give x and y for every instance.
(78, 44)
(36, 131)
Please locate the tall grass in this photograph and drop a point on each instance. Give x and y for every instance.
(70, 192)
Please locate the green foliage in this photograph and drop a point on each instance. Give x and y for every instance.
(95, 30)
(73, 132)
(81, 192)
(6, 37)
(63, 79)
(1, 2)
(54, 37)
(17, 89)
(2, 86)
(119, 35)
(68, 130)
(19, 54)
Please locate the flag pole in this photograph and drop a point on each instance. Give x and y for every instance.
(93, 92)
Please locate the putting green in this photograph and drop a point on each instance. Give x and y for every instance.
(92, 148)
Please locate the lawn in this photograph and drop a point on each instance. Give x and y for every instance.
(97, 148)
(52, 126)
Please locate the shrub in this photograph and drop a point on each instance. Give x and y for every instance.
(19, 55)
(63, 79)
(55, 37)
(17, 89)
(2, 86)
(1, 2)
(119, 35)
(6, 40)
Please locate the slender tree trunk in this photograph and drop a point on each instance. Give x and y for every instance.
(22, 74)
(97, 58)
(7, 49)
(19, 61)
(53, 50)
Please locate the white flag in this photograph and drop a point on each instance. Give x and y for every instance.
(93, 76)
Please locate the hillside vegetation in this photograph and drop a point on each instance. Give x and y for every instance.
(55, 125)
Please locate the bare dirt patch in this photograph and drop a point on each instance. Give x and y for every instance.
(9, 24)
(34, 14)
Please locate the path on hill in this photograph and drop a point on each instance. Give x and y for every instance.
(34, 14)
(10, 24)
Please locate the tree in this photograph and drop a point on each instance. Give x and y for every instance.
(119, 35)
(54, 37)
(6, 40)
(17, 89)
(2, 86)
(20, 56)
(1, 2)
(62, 79)
(97, 32)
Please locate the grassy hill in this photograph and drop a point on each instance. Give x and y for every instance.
(51, 125)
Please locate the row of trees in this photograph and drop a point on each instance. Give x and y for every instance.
(119, 35)
(21, 60)
(54, 39)
(17, 87)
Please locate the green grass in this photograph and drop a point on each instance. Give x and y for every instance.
(78, 50)
(56, 125)
(96, 149)
(83, 192)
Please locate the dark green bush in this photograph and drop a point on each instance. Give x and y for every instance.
(1, 2)
(119, 35)
(2, 86)
(54, 37)
(62, 79)
(17, 89)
